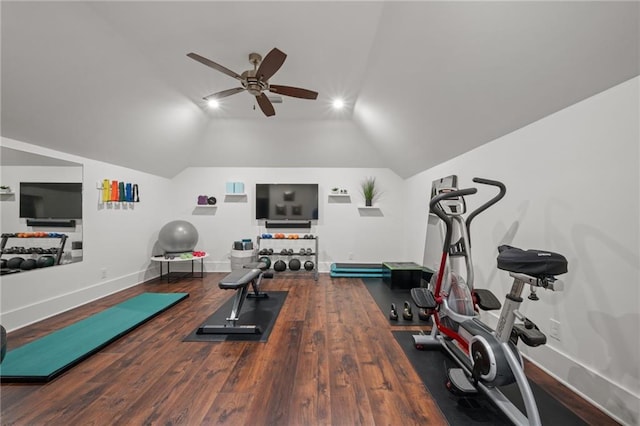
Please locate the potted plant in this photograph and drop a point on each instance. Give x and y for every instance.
(369, 190)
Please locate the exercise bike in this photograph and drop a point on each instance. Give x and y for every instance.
(487, 358)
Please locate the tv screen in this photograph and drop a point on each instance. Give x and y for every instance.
(287, 201)
(50, 200)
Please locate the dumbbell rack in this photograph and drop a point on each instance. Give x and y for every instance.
(295, 244)
(33, 246)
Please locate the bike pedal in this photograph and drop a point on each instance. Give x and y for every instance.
(459, 383)
(530, 336)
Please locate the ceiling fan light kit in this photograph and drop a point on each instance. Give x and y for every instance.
(256, 81)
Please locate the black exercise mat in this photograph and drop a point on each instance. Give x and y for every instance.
(385, 296)
(431, 366)
(261, 312)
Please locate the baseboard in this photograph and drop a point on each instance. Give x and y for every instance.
(611, 398)
(33, 313)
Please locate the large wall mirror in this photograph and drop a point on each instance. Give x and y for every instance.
(41, 211)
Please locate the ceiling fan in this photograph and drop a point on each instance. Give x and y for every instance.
(256, 81)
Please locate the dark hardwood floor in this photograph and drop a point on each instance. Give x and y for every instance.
(331, 359)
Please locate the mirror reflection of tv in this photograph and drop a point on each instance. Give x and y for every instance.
(287, 201)
(51, 200)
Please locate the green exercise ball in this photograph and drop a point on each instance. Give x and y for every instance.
(266, 261)
(45, 261)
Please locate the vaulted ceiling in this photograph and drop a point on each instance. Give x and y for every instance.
(423, 81)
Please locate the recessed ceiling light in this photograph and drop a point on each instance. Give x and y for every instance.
(338, 104)
(213, 103)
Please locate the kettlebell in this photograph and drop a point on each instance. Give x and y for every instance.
(424, 314)
(406, 313)
(393, 315)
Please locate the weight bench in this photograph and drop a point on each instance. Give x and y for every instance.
(239, 280)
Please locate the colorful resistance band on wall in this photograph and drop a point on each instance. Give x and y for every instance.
(128, 195)
(106, 195)
(114, 190)
(119, 192)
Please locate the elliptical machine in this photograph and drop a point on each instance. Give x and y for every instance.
(487, 358)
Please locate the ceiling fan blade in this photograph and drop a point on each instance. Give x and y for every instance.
(213, 65)
(296, 92)
(224, 93)
(265, 105)
(270, 64)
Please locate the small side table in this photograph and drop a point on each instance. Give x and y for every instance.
(176, 259)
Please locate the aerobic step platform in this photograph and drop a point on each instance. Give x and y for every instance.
(357, 270)
(47, 357)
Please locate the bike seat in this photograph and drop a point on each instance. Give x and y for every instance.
(537, 263)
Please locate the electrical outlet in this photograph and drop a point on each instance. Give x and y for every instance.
(554, 329)
(350, 256)
(103, 273)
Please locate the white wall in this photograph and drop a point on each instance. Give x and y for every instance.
(116, 238)
(572, 187)
(346, 233)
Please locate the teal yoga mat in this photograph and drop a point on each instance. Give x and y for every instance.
(44, 359)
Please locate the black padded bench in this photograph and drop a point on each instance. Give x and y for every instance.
(239, 280)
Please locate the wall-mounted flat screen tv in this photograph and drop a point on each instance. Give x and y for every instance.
(287, 201)
(51, 200)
